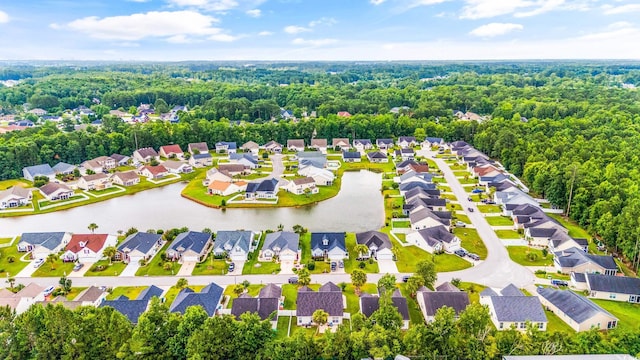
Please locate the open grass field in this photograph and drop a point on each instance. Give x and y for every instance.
(12, 268)
(471, 241)
(499, 220)
(114, 269)
(519, 254)
(628, 314)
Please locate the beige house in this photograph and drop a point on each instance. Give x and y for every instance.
(301, 185)
(322, 177)
(578, 261)
(23, 299)
(98, 181)
(171, 151)
(153, 172)
(216, 175)
(177, 167)
(126, 178)
(616, 288)
(250, 147)
(319, 144)
(510, 308)
(580, 313)
(54, 191)
(14, 196)
(342, 143)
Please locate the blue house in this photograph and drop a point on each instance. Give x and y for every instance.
(139, 246)
(132, 309)
(30, 172)
(209, 298)
(190, 246)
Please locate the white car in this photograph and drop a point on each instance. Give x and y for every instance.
(48, 291)
(38, 263)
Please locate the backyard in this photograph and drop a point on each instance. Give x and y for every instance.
(527, 256)
(131, 292)
(508, 234)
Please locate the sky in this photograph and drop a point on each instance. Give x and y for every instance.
(174, 30)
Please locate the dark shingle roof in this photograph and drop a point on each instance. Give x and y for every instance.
(573, 305)
(270, 291)
(370, 238)
(511, 290)
(351, 155)
(190, 240)
(132, 309)
(447, 286)
(227, 240)
(209, 298)
(574, 257)
(309, 301)
(140, 241)
(264, 307)
(268, 185)
(434, 300)
(333, 240)
(613, 284)
(370, 304)
(150, 292)
(436, 234)
(49, 240)
(376, 155)
(518, 309)
(40, 170)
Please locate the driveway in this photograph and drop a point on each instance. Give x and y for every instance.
(80, 273)
(187, 268)
(131, 269)
(286, 267)
(239, 265)
(278, 165)
(387, 267)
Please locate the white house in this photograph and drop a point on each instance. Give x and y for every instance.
(87, 248)
(302, 185)
(14, 196)
(54, 191)
(98, 181)
(42, 244)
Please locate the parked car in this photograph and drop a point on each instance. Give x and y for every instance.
(490, 202)
(477, 191)
(78, 266)
(470, 209)
(340, 264)
(460, 252)
(293, 280)
(38, 263)
(558, 282)
(405, 278)
(334, 265)
(48, 291)
(232, 267)
(473, 256)
(460, 224)
(469, 199)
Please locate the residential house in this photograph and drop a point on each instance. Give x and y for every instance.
(132, 309)
(235, 244)
(63, 168)
(214, 174)
(91, 296)
(410, 164)
(434, 239)
(171, 151)
(31, 172)
(510, 308)
(273, 147)
(576, 260)
(616, 288)
(433, 141)
(201, 160)
(286, 114)
(233, 169)
(265, 189)
(190, 246)
(281, 244)
(377, 157)
(351, 156)
(540, 232)
(362, 144)
(139, 246)
(106, 162)
(198, 148)
(92, 166)
(223, 188)
(249, 161)
(226, 147)
(399, 109)
(87, 248)
(177, 167)
(378, 243)
(328, 298)
(343, 114)
(419, 202)
(319, 145)
(430, 301)
(580, 313)
(341, 143)
(426, 218)
(330, 246)
(250, 147)
(418, 192)
(404, 154)
(54, 191)
(384, 144)
(526, 213)
(408, 186)
(295, 145)
(126, 178)
(302, 186)
(23, 299)
(265, 305)
(322, 177)
(121, 160)
(38, 112)
(43, 243)
(208, 298)
(14, 196)
(98, 181)
(311, 158)
(411, 176)
(370, 304)
(153, 172)
(145, 155)
(406, 141)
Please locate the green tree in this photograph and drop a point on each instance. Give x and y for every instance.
(358, 278)
(320, 317)
(387, 282)
(426, 269)
(150, 337)
(182, 283)
(238, 289)
(414, 284)
(304, 277)
(361, 250)
(387, 315)
(51, 260)
(65, 285)
(110, 252)
(92, 227)
(191, 322)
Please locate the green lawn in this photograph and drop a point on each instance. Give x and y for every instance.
(628, 314)
(105, 191)
(60, 202)
(468, 181)
(5, 240)
(553, 274)
(16, 266)
(351, 263)
(290, 293)
(283, 327)
(519, 255)
(574, 229)
(462, 217)
(305, 247)
(508, 234)
(173, 291)
(5, 184)
(252, 290)
(353, 301)
(271, 267)
(449, 262)
(74, 292)
(59, 269)
(473, 289)
(439, 180)
(556, 324)
(155, 267)
(490, 209)
(471, 241)
(449, 197)
(401, 224)
(454, 207)
(499, 221)
(461, 173)
(444, 188)
(114, 269)
(414, 310)
(211, 266)
(129, 291)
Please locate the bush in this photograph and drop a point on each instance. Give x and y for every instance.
(311, 265)
(540, 272)
(532, 256)
(223, 202)
(362, 265)
(545, 252)
(370, 261)
(11, 259)
(342, 285)
(455, 282)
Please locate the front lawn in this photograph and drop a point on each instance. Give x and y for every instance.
(5, 184)
(454, 207)
(461, 173)
(270, 267)
(520, 255)
(351, 263)
(499, 220)
(131, 292)
(414, 310)
(60, 269)
(353, 301)
(4, 241)
(449, 197)
(471, 241)
(468, 181)
(628, 314)
(508, 234)
(555, 324)
(156, 267)
(13, 268)
(102, 268)
(320, 266)
(462, 217)
(449, 262)
(444, 188)
(211, 266)
(74, 292)
(489, 209)
(252, 290)
(401, 224)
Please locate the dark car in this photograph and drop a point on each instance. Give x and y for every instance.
(293, 280)
(473, 256)
(232, 267)
(470, 209)
(405, 278)
(558, 282)
(333, 266)
(460, 252)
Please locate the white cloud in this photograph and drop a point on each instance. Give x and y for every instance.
(209, 5)
(313, 42)
(482, 9)
(164, 24)
(615, 31)
(256, 13)
(179, 39)
(139, 1)
(326, 21)
(415, 3)
(294, 29)
(223, 37)
(4, 17)
(546, 6)
(376, 2)
(265, 33)
(622, 9)
(495, 29)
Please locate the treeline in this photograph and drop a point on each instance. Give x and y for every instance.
(54, 332)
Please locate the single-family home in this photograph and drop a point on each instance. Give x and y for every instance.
(295, 145)
(580, 313)
(198, 148)
(266, 304)
(371, 303)
(132, 309)
(404, 154)
(214, 174)
(434, 239)
(233, 169)
(377, 157)
(23, 299)
(139, 246)
(340, 143)
(153, 172)
(177, 167)
(235, 244)
(399, 109)
(433, 141)
(38, 112)
(92, 166)
(408, 186)
(54, 191)
(281, 244)
(273, 147)
(171, 151)
(430, 301)
(302, 186)
(250, 147)
(616, 288)
(145, 155)
(249, 160)
(43, 243)
(319, 145)
(406, 141)
(226, 147)
(377, 242)
(510, 308)
(63, 168)
(286, 114)
(91, 296)
(418, 202)
(87, 248)
(106, 162)
(384, 144)
(425, 218)
(223, 188)
(540, 232)
(190, 246)
(322, 177)
(265, 189)
(351, 156)
(121, 160)
(311, 158)
(328, 298)
(201, 160)
(31, 172)
(362, 144)
(330, 246)
(14, 196)
(404, 166)
(576, 260)
(343, 114)
(126, 178)
(411, 176)
(98, 181)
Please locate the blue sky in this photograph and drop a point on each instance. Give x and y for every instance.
(169, 30)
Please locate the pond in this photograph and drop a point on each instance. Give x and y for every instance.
(357, 207)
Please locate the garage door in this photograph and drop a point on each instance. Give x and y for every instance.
(238, 257)
(383, 256)
(190, 259)
(287, 257)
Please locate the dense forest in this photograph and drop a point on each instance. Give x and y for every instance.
(571, 131)
(54, 332)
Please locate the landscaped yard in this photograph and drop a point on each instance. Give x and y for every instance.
(353, 301)
(449, 197)
(520, 254)
(462, 217)
(252, 290)
(508, 234)
(454, 207)
(414, 310)
(13, 268)
(490, 209)
(211, 266)
(556, 324)
(574, 229)
(471, 241)
(499, 221)
(444, 188)
(468, 181)
(114, 269)
(461, 173)
(74, 292)
(628, 314)
(351, 263)
(305, 247)
(401, 224)
(449, 262)
(60, 269)
(131, 292)
(5, 184)
(473, 290)
(4, 241)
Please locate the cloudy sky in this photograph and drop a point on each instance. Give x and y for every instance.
(169, 30)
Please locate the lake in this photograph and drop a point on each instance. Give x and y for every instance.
(357, 207)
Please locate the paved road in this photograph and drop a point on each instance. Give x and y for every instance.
(497, 270)
(278, 165)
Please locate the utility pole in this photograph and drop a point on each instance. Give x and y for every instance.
(573, 179)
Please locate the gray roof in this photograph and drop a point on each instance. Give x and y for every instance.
(573, 257)
(201, 146)
(421, 192)
(132, 309)
(488, 292)
(434, 300)
(417, 185)
(51, 187)
(351, 155)
(205, 155)
(62, 167)
(370, 304)
(282, 240)
(326, 298)
(268, 185)
(436, 234)
(511, 290)
(613, 284)
(148, 293)
(49, 240)
(231, 145)
(447, 286)
(362, 141)
(209, 298)
(119, 158)
(518, 309)
(270, 291)
(227, 240)
(384, 141)
(376, 155)
(407, 138)
(92, 293)
(267, 301)
(443, 217)
(190, 240)
(573, 305)
(579, 277)
(39, 170)
(239, 156)
(374, 238)
(409, 174)
(140, 241)
(333, 240)
(147, 152)
(434, 139)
